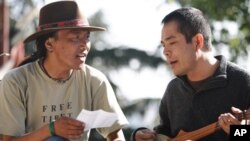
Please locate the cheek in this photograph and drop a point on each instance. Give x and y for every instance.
(88, 46)
(66, 53)
(189, 61)
(185, 58)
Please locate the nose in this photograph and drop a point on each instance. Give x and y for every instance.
(166, 52)
(83, 43)
(84, 46)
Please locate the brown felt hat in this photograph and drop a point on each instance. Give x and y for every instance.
(61, 15)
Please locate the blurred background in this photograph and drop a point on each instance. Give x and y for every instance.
(129, 52)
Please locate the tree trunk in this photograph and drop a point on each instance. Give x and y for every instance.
(4, 31)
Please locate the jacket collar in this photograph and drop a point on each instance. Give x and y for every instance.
(218, 79)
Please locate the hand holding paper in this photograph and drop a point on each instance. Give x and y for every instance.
(96, 119)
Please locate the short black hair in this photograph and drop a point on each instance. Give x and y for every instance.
(190, 22)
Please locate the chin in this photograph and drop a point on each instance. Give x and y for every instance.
(79, 66)
(176, 73)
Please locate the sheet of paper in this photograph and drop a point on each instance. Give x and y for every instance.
(96, 119)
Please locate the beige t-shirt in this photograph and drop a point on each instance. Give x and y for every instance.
(29, 99)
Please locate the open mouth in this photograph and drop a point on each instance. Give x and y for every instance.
(82, 55)
(173, 62)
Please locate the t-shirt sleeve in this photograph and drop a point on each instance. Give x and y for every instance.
(105, 99)
(12, 107)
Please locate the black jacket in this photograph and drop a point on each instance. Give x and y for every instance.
(184, 108)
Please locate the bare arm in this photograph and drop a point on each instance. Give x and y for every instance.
(39, 135)
(116, 136)
(64, 127)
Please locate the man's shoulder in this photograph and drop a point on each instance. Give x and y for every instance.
(234, 68)
(20, 70)
(175, 82)
(237, 72)
(92, 72)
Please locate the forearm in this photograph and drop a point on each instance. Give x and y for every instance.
(38, 135)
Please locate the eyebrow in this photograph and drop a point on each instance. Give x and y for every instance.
(168, 38)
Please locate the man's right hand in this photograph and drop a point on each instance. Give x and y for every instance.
(69, 128)
(145, 135)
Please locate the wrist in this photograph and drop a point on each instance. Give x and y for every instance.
(52, 128)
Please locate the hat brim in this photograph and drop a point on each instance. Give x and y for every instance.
(36, 35)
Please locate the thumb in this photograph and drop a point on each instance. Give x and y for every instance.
(236, 110)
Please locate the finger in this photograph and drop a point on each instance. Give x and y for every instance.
(74, 133)
(146, 134)
(74, 130)
(223, 123)
(224, 118)
(75, 123)
(74, 127)
(231, 119)
(236, 110)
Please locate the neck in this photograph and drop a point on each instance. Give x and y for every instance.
(205, 68)
(55, 72)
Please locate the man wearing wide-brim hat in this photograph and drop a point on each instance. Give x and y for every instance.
(41, 99)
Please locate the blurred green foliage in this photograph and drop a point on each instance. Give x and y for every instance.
(237, 11)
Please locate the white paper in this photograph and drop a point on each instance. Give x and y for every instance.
(96, 119)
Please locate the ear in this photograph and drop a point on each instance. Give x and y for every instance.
(48, 45)
(199, 41)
